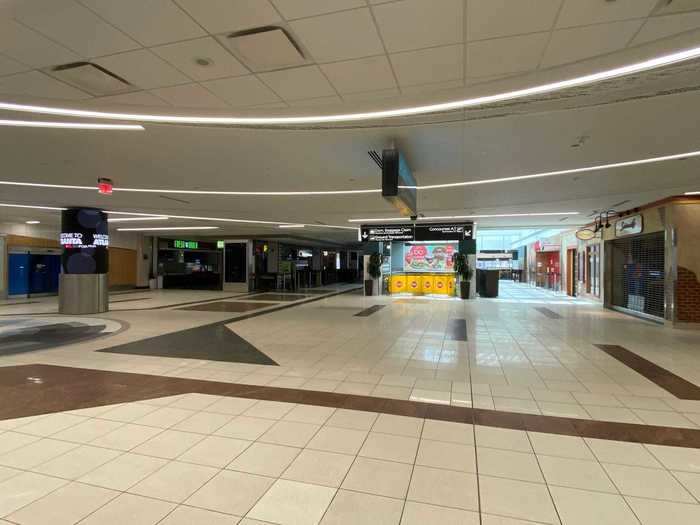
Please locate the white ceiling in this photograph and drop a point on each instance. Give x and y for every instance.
(358, 52)
(355, 50)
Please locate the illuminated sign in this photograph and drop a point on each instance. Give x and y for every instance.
(83, 240)
(220, 244)
(418, 232)
(185, 245)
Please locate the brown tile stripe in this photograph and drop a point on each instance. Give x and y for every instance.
(669, 381)
(38, 389)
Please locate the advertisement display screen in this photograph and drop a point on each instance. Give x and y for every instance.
(429, 257)
(85, 240)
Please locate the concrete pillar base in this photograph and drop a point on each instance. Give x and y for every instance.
(81, 294)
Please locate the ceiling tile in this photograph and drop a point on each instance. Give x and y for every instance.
(584, 12)
(9, 66)
(291, 9)
(29, 47)
(663, 26)
(438, 64)
(75, 27)
(312, 102)
(298, 83)
(414, 24)
(241, 91)
(433, 87)
(139, 98)
(219, 16)
(578, 43)
(189, 96)
(371, 96)
(183, 55)
(365, 74)
(143, 69)
(37, 84)
(150, 22)
(339, 36)
(498, 18)
(501, 56)
(677, 6)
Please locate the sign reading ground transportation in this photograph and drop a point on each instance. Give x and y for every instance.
(631, 225)
(418, 232)
(386, 233)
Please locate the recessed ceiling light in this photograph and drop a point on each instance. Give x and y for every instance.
(33, 222)
(70, 125)
(631, 69)
(292, 225)
(171, 228)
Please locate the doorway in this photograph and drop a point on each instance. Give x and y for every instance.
(236, 266)
(571, 272)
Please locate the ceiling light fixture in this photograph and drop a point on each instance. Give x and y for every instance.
(292, 225)
(171, 228)
(476, 216)
(129, 219)
(692, 193)
(630, 69)
(597, 167)
(69, 125)
(33, 222)
(33, 207)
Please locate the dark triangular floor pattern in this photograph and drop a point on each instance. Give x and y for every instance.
(213, 342)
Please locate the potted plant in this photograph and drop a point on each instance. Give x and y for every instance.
(374, 269)
(464, 274)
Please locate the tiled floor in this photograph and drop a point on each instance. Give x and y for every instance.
(195, 458)
(203, 459)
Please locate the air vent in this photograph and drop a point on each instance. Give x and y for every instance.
(91, 78)
(265, 48)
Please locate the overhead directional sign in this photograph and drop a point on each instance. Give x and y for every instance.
(443, 232)
(391, 232)
(417, 232)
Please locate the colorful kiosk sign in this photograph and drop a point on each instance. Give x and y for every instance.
(421, 255)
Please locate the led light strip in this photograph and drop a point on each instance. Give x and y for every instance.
(630, 69)
(597, 167)
(480, 216)
(168, 228)
(692, 193)
(188, 217)
(130, 219)
(69, 125)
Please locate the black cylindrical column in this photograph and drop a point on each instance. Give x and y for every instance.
(83, 287)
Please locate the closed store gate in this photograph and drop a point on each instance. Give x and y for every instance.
(637, 274)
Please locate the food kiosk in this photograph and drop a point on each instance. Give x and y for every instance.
(418, 257)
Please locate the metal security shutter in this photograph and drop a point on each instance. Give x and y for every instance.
(638, 273)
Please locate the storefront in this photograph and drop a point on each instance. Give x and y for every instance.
(545, 264)
(418, 258)
(635, 258)
(190, 264)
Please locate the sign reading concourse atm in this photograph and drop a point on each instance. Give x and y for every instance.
(418, 232)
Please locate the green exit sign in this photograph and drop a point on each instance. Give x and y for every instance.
(185, 245)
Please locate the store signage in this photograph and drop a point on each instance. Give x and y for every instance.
(386, 233)
(586, 234)
(632, 225)
(220, 244)
(418, 232)
(443, 232)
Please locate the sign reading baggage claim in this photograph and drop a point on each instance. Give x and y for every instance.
(416, 232)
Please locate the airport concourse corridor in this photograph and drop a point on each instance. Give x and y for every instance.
(529, 408)
(349, 262)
